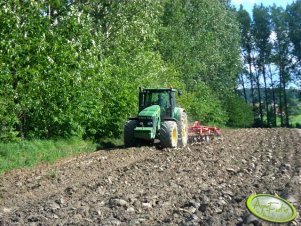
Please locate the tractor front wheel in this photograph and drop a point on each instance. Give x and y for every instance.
(129, 138)
(169, 134)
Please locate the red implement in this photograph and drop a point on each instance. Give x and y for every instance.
(200, 133)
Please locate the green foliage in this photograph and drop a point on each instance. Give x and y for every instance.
(294, 19)
(296, 120)
(204, 106)
(261, 29)
(240, 114)
(45, 65)
(294, 107)
(73, 68)
(7, 122)
(245, 29)
(202, 42)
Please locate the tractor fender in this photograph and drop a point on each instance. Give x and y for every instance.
(178, 112)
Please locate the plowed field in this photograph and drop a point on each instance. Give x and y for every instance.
(203, 184)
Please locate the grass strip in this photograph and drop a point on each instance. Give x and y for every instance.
(30, 153)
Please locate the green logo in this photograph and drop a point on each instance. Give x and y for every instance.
(271, 208)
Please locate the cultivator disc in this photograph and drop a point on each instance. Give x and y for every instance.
(198, 133)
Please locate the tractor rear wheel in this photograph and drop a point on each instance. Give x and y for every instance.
(129, 138)
(183, 129)
(169, 134)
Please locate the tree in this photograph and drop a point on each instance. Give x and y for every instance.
(293, 17)
(73, 68)
(201, 39)
(262, 32)
(247, 47)
(282, 58)
(240, 113)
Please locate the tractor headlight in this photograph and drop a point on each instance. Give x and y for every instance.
(149, 123)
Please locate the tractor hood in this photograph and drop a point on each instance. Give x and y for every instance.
(148, 120)
(150, 111)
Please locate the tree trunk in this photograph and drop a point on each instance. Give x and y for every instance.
(274, 123)
(21, 125)
(259, 98)
(285, 102)
(266, 95)
(280, 110)
(243, 87)
(252, 83)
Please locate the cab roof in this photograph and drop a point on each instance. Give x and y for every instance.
(159, 89)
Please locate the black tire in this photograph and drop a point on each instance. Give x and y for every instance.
(183, 129)
(169, 134)
(129, 138)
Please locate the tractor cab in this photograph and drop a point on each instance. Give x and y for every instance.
(165, 98)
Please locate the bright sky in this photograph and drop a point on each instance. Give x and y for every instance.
(248, 4)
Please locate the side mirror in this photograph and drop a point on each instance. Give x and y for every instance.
(180, 93)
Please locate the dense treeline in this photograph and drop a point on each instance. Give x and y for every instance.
(73, 68)
(271, 49)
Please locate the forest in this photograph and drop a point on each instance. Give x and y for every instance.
(72, 68)
(271, 53)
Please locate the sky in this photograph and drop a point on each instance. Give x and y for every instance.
(248, 4)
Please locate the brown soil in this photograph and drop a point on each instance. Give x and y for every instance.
(199, 185)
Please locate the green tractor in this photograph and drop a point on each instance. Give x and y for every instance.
(158, 119)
